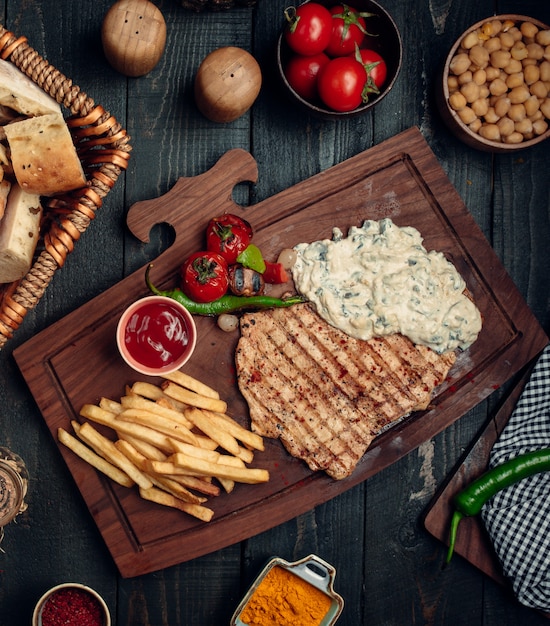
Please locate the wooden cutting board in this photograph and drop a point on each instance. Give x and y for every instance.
(473, 542)
(76, 361)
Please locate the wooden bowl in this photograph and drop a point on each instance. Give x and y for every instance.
(451, 118)
(388, 44)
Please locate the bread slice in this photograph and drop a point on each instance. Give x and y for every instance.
(19, 230)
(8, 115)
(43, 155)
(18, 92)
(5, 187)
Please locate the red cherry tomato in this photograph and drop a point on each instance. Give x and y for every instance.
(204, 276)
(228, 235)
(309, 28)
(348, 29)
(341, 83)
(302, 71)
(375, 67)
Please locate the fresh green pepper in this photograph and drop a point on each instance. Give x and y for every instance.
(470, 500)
(225, 304)
(252, 257)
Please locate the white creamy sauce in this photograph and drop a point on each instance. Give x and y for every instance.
(380, 280)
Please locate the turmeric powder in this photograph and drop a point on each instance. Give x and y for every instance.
(284, 599)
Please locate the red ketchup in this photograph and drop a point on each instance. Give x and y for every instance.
(156, 335)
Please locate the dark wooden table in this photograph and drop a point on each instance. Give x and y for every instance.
(389, 567)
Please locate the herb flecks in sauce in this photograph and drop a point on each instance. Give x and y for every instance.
(381, 280)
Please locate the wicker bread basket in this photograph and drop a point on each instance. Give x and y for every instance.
(104, 150)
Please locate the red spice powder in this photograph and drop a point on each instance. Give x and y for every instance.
(72, 607)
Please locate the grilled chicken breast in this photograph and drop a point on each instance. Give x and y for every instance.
(325, 394)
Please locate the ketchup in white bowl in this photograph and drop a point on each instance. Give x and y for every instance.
(156, 335)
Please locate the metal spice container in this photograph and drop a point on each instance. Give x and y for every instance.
(14, 480)
(311, 569)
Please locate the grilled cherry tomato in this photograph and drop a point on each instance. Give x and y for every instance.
(348, 29)
(341, 84)
(375, 66)
(228, 235)
(301, 72)
(205, 276)
(309, 28)
(275, 273)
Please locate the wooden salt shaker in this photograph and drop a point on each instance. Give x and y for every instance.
(133, 34)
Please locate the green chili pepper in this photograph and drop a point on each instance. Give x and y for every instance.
(225, 304)
(470, 500)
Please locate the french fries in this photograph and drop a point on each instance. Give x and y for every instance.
(181, 394)
(173, 441)
(164, 425)
(201, 420)
(188, 382)
(159, 408)
(106, 448)
(167, 499)
(220, 469)
(114, 473)
(234, 428)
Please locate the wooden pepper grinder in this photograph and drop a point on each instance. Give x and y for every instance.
(133, 34)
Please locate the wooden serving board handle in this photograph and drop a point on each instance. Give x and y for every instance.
(178, 207)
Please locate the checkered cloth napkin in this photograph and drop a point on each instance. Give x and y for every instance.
(518, 518)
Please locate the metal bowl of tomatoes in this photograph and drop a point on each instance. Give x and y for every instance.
(338, 60)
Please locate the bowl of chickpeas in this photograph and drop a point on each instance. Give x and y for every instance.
(495, 89)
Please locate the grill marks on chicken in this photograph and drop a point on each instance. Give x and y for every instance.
(325, 394)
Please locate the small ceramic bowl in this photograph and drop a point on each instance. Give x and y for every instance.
(89, 599)
(387, 43)
(156, 335)
(454, 119)
(311, 569)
